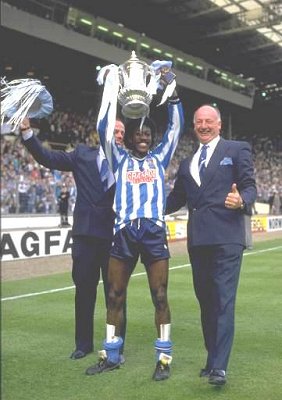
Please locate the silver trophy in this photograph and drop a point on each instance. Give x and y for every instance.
(135, 94)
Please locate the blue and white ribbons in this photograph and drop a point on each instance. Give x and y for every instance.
(22, 98)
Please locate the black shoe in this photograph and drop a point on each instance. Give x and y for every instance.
(217, 377)
(77, 354)
(103, 365)
(204, 373)
(162, 371)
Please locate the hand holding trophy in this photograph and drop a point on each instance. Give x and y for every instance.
(165, 78)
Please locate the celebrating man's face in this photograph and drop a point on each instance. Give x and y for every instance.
(207, 124)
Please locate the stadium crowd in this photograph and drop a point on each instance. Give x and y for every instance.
(27, 187)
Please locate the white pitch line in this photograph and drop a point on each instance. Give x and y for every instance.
(22, 296)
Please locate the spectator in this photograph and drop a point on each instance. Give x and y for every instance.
(63, 200)
(274, 202)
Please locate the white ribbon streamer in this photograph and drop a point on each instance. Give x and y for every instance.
(168, 92)
(22, 95)
(109, 100)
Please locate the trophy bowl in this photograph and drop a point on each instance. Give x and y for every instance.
(135, 103)
(134, 96)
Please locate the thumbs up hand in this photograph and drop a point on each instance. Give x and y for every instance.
(234, 188)
(233, 199)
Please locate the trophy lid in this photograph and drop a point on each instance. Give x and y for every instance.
(133, 56)
(134, 60)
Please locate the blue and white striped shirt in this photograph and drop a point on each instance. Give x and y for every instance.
(140, 183)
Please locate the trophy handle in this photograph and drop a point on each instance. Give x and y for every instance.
(121, 79)
(151, 75)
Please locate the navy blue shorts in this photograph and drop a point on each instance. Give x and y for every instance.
(141, 237)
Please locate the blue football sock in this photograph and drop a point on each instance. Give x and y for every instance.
(112, 349)
(163, 347)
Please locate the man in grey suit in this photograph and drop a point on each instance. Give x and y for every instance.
(217, 183)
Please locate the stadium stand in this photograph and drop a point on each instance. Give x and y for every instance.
(28, 187)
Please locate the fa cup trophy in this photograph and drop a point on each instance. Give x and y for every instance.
(137, 86)
(133, 85)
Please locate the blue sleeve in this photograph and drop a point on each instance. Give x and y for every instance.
(165, 150)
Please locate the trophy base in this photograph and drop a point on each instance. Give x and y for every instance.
(135, 109)
(134, 103)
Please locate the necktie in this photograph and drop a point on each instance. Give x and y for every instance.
(202, 160)
(104, 170)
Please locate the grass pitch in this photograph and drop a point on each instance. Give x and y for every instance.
(37, 338)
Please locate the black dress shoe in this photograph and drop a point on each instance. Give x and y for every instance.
(204, 373)
(77, 354)
(217, 377)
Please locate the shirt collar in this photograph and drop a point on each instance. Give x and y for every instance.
(212, 144)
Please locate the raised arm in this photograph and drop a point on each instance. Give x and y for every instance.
(165, 150)
(52, 159)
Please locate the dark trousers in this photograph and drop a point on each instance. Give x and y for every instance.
(64, 219)
(216, 272)
(90, 258)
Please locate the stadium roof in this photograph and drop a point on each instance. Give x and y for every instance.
(242, 36)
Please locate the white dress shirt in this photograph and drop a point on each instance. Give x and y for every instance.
(194, 167)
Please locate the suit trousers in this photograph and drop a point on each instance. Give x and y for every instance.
(216, 270)
(90, 260)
